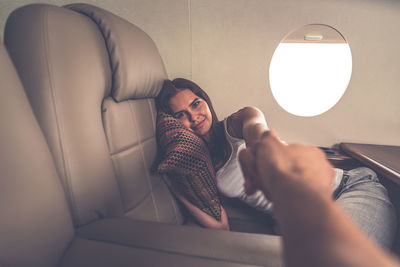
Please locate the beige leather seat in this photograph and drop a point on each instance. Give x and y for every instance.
(35, 226)
(90, 78)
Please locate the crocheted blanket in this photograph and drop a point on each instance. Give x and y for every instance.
(187, 163)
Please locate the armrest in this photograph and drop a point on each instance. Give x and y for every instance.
(219, 245)
(84, 252)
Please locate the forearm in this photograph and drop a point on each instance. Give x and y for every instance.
(317, 232)
(205, 219)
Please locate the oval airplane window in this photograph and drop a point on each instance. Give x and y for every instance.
(310, 70)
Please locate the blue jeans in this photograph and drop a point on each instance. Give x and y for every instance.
(366, 201)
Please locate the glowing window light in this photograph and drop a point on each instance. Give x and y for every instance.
(307, 79)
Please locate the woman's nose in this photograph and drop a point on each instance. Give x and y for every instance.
(191, 115)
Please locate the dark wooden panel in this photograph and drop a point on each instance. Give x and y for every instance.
(382, 158)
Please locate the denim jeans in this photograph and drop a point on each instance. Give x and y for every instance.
(366, 201)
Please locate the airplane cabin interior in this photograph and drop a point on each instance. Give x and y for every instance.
(78, 113)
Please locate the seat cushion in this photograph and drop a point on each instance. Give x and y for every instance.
(84, 252)
(243, 248)
(130, 131)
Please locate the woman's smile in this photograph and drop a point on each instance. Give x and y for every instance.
(199, 125)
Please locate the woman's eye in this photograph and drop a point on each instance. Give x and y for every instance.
(195, 104)
(179, 115)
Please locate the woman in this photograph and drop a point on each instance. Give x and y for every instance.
(358, 191)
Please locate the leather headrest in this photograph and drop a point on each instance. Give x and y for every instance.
(136, 65)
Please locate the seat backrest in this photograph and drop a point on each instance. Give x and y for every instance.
(91, 78)
(35, 225)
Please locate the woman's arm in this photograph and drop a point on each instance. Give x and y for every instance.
(248, 123)
(202, 217)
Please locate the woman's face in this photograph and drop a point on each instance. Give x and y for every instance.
(192, 111)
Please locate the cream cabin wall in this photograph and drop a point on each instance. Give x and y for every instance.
(226, 46)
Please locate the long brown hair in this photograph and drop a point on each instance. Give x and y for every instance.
(218, 145)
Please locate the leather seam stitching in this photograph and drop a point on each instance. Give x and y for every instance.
(58, 120)
(144, 161)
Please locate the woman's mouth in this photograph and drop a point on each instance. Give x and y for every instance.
(199, 125)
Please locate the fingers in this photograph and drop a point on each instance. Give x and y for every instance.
(269, 149)
(268, 164)
(265, 162)
(256, 162)
(249, 169)
(270, 133)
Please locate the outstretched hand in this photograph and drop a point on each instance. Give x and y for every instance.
(298, 179)
(271, 166)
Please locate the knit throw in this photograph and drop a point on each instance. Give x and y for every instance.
(187, 163)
